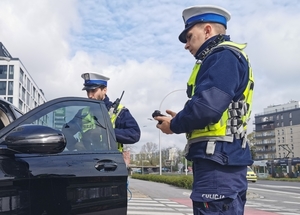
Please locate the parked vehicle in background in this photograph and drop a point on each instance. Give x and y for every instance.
(39, 174)
(251, 175)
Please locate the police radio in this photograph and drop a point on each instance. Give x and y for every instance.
(157, 113)
(116, 103)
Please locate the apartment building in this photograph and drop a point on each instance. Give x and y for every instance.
(277, 131)
(16, 84)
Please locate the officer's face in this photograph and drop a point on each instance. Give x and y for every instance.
(98, 93)
(195, 37)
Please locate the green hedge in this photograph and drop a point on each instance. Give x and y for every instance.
(183, 181)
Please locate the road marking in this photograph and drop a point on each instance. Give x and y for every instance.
(298, 203)
(186, 193)
(274, 191)
(276, 186)
(288, 213)
(157, 207)
(268, 200)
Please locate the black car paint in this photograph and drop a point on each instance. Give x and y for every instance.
(64, 183)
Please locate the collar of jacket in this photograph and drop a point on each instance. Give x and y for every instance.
(107, 102)
(209, 44)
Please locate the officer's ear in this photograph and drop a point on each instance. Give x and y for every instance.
(208, 30)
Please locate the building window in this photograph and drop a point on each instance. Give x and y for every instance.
(23, 93)
(282, 124)
(291, 122)
(11, 72)
(2, 87)
(28, 84)
(21, 76)
(291, 130)
(27, 99)
(281, 116)
(277, 117)
(283, 139)
(10, 90)
(282, 131)
(3, 71)
(20, 104)
(10, 99)
(33, 94)
(290, 115)
(279, 155)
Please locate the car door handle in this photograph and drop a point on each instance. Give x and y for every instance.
(106, 165)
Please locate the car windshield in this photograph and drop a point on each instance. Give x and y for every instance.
(249, 169)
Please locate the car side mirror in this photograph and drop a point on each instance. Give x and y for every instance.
(35, 139)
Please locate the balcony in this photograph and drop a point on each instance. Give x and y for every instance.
(265, 151)
(257, 122)
(264, 136)
(265, 144)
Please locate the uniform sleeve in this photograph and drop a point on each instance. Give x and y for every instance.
(222, 78)
(74, 125)
(71, 128)
(127, 129)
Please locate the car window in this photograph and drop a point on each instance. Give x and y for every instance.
(83, 124)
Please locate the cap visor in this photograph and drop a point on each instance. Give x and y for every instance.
(89, 87)
(182, 36)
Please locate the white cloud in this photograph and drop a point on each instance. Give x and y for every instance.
(136, 44)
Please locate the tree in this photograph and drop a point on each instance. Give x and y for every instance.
(251, 141)
(149, 151)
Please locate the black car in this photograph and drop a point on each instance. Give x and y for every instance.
(40, 173)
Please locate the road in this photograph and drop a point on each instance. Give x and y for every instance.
(150, 198)
(276, 196)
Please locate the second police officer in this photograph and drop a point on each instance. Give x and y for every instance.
(126, 128)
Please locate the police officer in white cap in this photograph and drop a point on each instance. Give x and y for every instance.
(126, 128)
(215, 117)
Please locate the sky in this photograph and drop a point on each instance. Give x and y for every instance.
(135, 43)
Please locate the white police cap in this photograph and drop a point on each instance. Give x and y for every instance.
(93, 80)
(202, 14)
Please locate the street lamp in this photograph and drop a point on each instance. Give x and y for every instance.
(159, 145)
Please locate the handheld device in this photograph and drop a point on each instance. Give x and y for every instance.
(116, 103)
(157, 113)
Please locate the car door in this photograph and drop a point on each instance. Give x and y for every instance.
(88, 176)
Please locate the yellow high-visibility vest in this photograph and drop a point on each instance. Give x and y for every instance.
(234, 119)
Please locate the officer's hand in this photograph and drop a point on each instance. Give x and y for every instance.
(165, 125)
(173, 114)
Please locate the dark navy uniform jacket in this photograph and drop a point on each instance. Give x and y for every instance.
(126, 128)
(222, 78)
